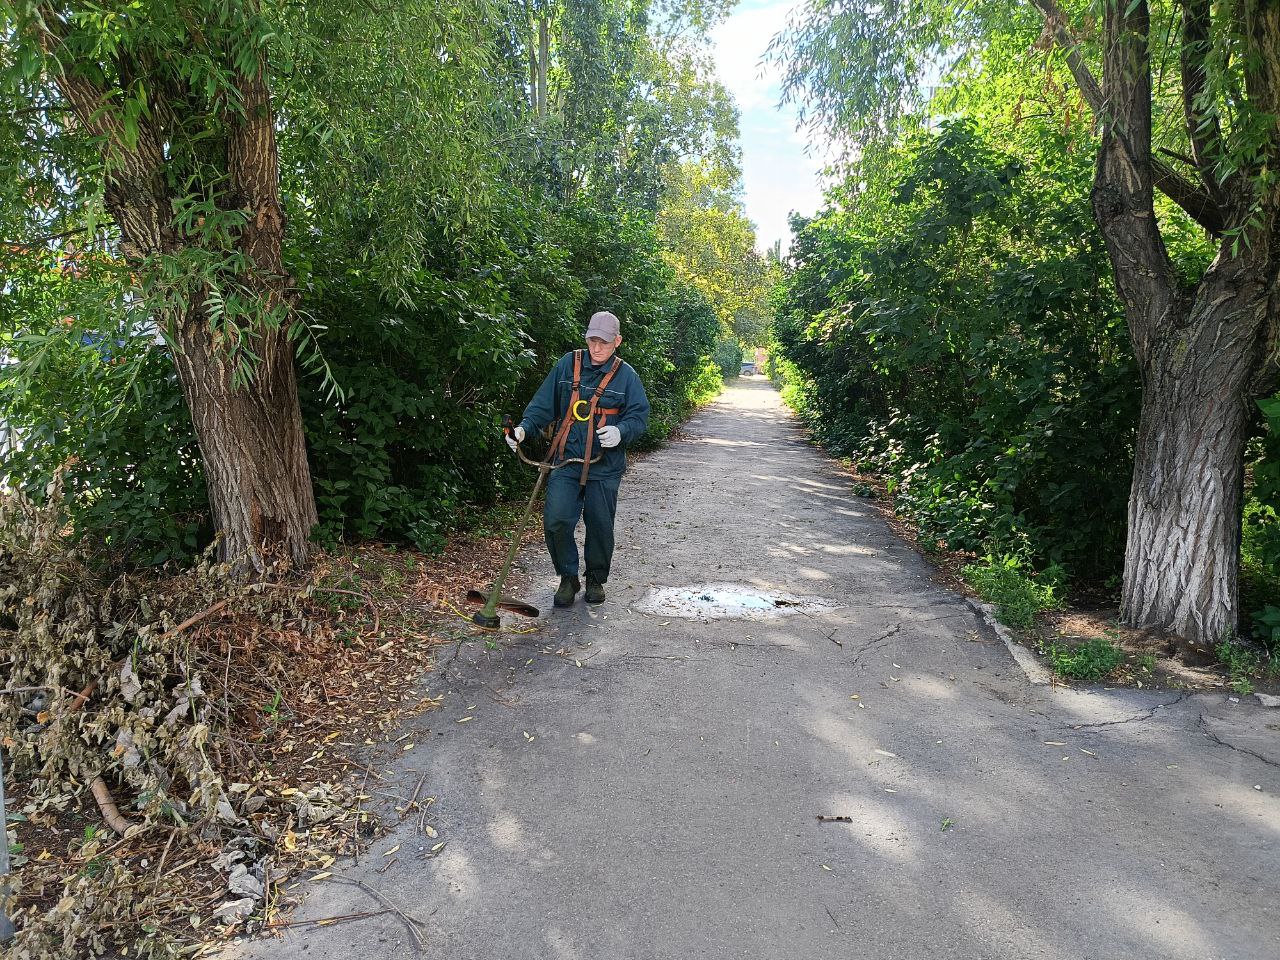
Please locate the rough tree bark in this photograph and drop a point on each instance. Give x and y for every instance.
(1182, 556)
(1204, 354)
(250, 436)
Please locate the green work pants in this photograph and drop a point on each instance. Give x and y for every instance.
(596, 503)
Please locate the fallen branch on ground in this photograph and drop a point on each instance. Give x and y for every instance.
(110, 812)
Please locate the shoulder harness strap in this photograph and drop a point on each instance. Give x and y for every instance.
(562, 434)
(591, 417)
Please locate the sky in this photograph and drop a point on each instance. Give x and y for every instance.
(778, 176)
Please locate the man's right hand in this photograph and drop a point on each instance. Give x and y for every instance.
(515, 437)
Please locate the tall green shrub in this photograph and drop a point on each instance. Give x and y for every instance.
(950, 322)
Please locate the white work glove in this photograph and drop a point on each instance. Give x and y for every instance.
(609, 436)
(515, 438)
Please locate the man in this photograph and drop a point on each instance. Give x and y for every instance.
(598, 406)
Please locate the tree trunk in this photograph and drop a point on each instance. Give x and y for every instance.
(1201, 359)
(252, 444)
(1182, 556)
(1204, 358)
(250, 434)
(544, 54)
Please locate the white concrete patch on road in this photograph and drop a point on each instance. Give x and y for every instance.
(727, 601)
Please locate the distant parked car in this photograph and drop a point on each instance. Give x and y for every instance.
(748, 369)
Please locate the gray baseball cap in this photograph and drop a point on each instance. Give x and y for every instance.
(603, 325)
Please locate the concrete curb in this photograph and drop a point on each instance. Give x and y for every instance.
(1037, 673)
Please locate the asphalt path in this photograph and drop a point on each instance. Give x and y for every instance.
(631, 784)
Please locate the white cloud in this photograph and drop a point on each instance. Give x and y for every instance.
(775, 183)
(780, 163)
(740, 44)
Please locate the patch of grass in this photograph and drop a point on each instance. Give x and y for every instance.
(1245, 664)
(1091, 661)
(1017, 594)
(1147, 662)
(272, 709)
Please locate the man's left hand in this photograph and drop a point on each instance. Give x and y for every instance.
(609, 436)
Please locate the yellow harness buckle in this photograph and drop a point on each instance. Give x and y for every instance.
(581, 418)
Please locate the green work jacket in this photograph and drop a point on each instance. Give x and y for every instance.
(625, 393)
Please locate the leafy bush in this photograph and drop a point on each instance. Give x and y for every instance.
(413, 438)
(1266, 624)
(950, 324)
(728, 358)
(1017, 595)
(1091, 661)
(1260, 531)
(108, 411)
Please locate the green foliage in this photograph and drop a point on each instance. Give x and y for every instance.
(448, 234)
(866, 72)
(1017, 594)
(414, 438)
(948, 324)
(728, 358)
(1262, 517)
(1260, 531)
(711, 245)
(109, 411)
(137, 114)
(1266, 624)
(1091, 661)
(1245, 664)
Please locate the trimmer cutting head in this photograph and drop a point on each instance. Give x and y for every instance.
(510, 604)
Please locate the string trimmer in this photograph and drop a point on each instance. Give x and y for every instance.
(494, 601)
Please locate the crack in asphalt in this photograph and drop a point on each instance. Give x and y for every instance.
(874, 642)
(1204, 726)
(1138, 718)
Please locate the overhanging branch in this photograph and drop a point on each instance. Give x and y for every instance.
(1203, 129)
(1195, 200)
(1056, 21)
(1199, 204)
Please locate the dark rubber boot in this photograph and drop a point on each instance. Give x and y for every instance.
(569, 587)
(595, 592)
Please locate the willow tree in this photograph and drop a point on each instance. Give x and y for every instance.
(1205, 134)
(175, 101)
(157, 137)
